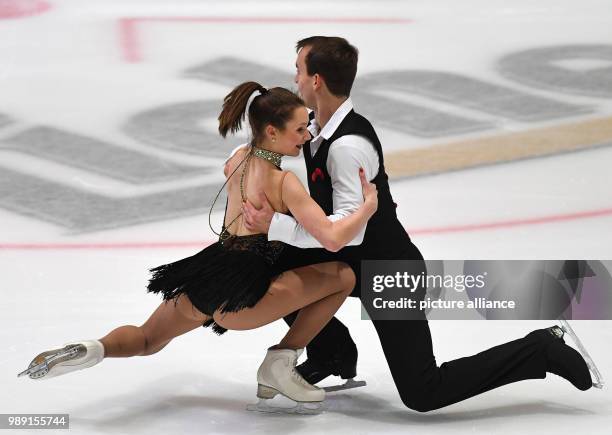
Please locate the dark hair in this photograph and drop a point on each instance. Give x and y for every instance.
(274, 106)
(334, 59)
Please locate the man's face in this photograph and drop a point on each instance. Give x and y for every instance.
(303, 80)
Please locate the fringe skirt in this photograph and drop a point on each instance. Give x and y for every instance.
(228, 275)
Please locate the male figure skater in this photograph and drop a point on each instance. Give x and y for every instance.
(342, 142)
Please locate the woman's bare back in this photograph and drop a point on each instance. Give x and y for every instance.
(260, 176)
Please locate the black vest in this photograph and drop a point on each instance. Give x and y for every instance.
(385, 236)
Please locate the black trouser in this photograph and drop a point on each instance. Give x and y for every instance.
(421, 383)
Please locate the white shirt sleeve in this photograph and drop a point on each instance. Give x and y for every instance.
(346, 156)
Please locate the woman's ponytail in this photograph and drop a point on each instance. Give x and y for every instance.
(274, 107)
(235, 106)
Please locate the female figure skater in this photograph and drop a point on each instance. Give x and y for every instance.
(232, 283)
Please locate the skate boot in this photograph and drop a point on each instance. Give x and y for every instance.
(72, 357)
(277, 375)
(565, 361)
(342, 363)
(598, 381)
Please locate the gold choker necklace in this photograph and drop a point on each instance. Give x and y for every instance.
(271, 156)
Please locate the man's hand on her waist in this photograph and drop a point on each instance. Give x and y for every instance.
(258, 219)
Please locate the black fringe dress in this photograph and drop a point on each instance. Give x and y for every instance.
(232, 274)
(229, 275)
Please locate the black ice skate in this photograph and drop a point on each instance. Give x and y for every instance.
(565, 327)
(314, 372)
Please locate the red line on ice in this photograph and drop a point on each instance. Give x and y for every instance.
(93, 245)
(130, 45)
(483, 226)
(514, 222)
(22, 8)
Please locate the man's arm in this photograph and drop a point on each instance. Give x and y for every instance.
(346, 156)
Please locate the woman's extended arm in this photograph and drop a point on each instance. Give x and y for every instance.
(333, 235)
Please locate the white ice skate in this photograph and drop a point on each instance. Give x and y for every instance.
(598, 381)
(71, 357)
(277, 375)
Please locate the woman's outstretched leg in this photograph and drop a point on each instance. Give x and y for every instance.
(166, 322)
(318, 290)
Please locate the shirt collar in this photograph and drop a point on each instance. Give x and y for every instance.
(332, 125)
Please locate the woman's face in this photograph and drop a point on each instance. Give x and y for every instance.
(290, 140)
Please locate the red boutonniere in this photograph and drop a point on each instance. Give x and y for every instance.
(316, 174)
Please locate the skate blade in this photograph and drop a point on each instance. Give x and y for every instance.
(302, 408)
(598, 381)
(44, 362)
(349, 384)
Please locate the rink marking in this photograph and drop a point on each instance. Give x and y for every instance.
(513, 222)
(484, 151)
(130, 42)
(482, 226)
(23, 8)
(125, 245)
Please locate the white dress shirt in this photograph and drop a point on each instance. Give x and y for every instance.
(346, 155)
